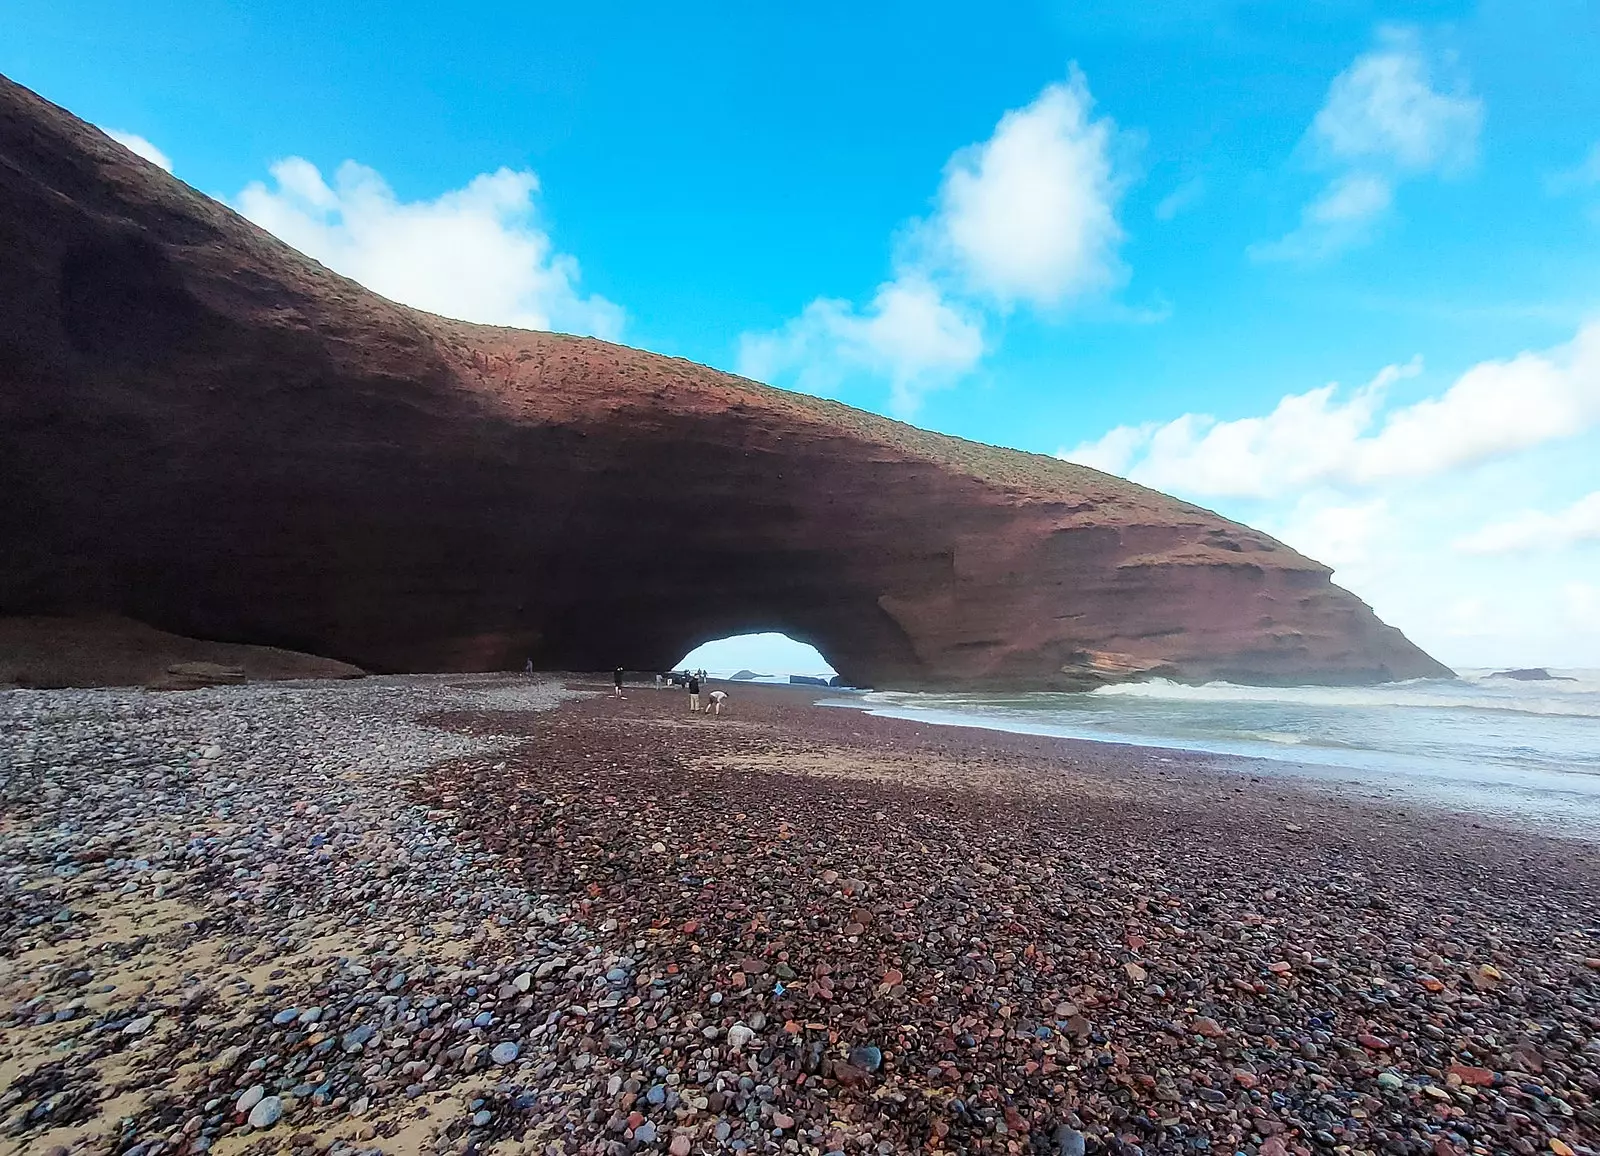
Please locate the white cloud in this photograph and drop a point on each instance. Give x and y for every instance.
(1337, 533)
(1493, 409)
(1385, 109)
(1426, 507)
(1383, 120)
(1341, 217)
(139, 146)
(476, 253)
(1030, 214)
(1537, 530)
(909, 334)
(1027, 216)
(1114, 452)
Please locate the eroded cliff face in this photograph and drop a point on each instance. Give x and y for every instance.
(204, 430)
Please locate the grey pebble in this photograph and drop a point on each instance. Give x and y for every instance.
(266, 1113)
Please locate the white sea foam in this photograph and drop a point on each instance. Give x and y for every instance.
(1476, 691)
(1498, 745)
(1282, 738)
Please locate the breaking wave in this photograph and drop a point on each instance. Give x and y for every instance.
(1496, 745)
(1474, 691)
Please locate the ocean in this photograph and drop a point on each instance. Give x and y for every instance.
(1525, 751)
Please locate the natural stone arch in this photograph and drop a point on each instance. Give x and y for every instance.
(203, 429)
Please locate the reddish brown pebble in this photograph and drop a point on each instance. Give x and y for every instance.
(1477, 1077)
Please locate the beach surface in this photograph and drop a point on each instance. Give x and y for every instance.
(458, 914)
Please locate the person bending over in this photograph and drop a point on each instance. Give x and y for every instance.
(718, 697)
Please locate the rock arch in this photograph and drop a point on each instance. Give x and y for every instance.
(234, 443)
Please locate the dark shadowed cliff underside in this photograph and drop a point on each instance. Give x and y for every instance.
(206, 431)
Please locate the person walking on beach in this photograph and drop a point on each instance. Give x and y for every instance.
(694, 693)
(718, 697)
(617, 679)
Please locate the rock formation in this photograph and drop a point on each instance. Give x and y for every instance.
(110, 651)
(206, 431)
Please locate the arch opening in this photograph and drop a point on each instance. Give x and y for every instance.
(767, 655)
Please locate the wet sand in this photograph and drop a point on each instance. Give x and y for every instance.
(611, 926)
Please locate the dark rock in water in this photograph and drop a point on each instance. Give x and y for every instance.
(745, 676)
(261, 450)
(1532, 674)
(807, 680)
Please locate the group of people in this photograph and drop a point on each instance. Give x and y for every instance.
(692, 680)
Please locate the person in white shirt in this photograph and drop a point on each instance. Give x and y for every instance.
(718, 697)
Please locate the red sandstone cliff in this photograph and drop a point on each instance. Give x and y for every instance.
(204, 430)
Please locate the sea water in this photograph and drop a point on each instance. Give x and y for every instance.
(1528, 750)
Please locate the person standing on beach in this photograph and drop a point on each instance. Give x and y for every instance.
(527, 667)
(694, 693)
(718, 697)
(617, 693)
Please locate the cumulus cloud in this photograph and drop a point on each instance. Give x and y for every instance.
(139, 146)
(1383, 121)
(1538, 530)
(1028, 216)
(476, 253)
(908, 334)
(1426, 506)
(1493, 409)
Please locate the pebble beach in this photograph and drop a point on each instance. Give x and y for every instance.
(494, 914)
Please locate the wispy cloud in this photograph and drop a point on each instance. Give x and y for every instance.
(1583, 175)
(1383, 121)
(1184, 197)
(1582, 179)
(1342, 216)
(1538, 530)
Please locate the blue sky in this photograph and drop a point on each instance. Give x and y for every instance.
(1149, 242)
